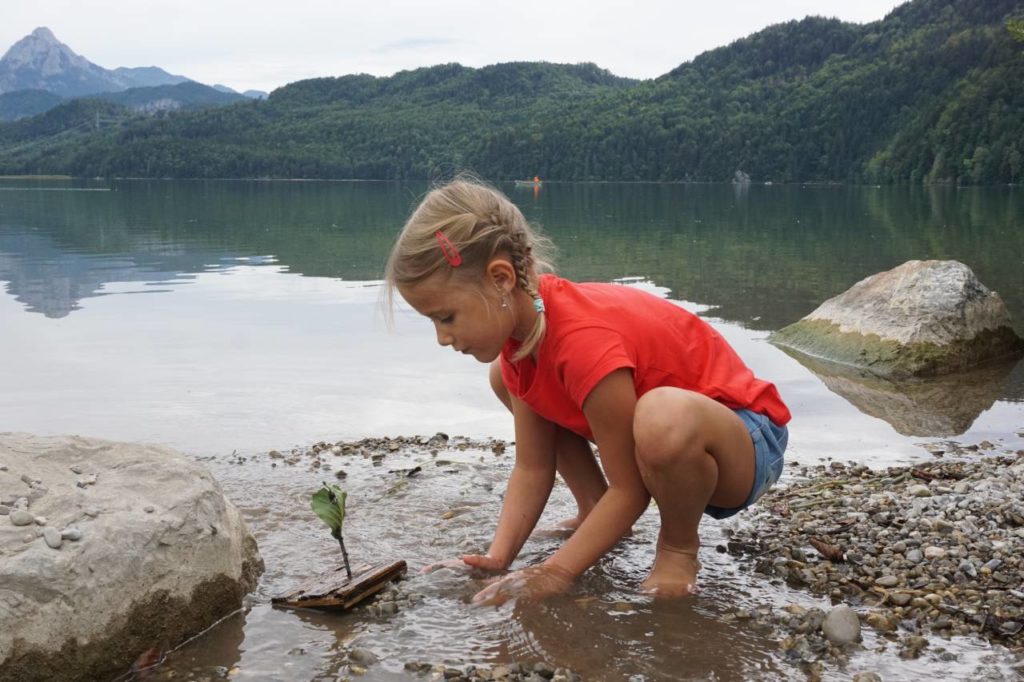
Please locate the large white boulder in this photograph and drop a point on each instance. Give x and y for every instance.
(920, 318)
(160, 555)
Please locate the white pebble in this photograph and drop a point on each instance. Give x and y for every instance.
(72, 534)
(20, 517)
(41, 520)
(841, 625)
(52, 537)
(149, 509)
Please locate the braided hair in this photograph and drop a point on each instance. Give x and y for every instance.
(479, 222)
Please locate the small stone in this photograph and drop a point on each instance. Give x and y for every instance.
(933, 552)
(20, 517)
(880, 622)
(86, 481)
(915, 556)
(900, 598)
(887, 581)
(149, 509)
(1010, 628)
(52, 537)
(72, 534)
(4, 510)
(76, 468)
(92, 512)
(841, 626)
(41, 520)
(919, 491)
(357, 669)
(3, 467)
(363, 656)
(544, 670)
(867, 677)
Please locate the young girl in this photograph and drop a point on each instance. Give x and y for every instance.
(675, 413)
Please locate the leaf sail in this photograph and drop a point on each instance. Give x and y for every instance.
(329, 505)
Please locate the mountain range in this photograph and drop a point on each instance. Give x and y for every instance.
(929, 94)
(39, 72)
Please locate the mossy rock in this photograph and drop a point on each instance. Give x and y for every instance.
(889, 358)
(921, 318)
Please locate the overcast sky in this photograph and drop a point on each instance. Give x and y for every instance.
(263, 45)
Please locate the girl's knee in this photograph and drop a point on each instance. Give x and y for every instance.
(666, 428)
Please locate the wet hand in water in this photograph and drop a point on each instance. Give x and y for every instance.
(484, 562)
(533, 583)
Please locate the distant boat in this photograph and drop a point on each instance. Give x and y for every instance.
(536, 182)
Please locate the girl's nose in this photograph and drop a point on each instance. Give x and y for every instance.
(443, 337)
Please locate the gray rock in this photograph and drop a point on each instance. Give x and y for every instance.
(362, 656)
(919, 491)
(867, 677)
(915, 556)
(922, 317)
(52, 537)
(88, 592)
(841, 626)
(41, 520)
(20, 517)
(932, 552)
(887, 581)
(72, 534)
(4, 510)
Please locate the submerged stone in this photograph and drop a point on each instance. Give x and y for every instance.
(920, 318)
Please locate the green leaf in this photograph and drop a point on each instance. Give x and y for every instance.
(329, 505)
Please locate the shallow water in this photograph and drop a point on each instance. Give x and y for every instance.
(226, 318)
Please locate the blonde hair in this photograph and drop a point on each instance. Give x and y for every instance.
(481, 223)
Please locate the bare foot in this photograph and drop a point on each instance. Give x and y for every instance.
(674, 573)
(562, 529)
(567, 527)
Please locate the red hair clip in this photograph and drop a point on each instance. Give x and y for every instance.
(451, 254)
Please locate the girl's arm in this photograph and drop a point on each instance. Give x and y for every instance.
(528, 487)
(609, 410)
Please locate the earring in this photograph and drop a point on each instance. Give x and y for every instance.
(504, 301)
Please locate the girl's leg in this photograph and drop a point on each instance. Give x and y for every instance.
(692, 451)
(575, 460)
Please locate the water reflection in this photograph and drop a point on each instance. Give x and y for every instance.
(941, 406)
(764, 256)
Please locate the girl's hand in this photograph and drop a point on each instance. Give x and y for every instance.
(484, 562)
(532, 583)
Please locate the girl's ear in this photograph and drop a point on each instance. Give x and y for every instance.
(501, 273)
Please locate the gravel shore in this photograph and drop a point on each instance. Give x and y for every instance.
(918, 553)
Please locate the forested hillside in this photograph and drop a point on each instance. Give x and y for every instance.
(930, 93)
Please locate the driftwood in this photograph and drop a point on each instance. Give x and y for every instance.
(334, 590)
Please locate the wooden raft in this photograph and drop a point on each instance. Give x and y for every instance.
(333, 590)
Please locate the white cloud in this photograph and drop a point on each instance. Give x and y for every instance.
(267, 44)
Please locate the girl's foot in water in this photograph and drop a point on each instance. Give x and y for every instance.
(674, 573)
(562, 529)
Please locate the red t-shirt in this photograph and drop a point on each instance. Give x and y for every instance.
(594, 329)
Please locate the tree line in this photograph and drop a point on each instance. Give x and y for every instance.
(929, 94)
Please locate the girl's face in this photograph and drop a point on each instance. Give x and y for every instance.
(466, 316)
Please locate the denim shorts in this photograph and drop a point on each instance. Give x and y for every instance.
(769, 445)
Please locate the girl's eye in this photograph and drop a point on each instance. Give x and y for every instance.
(447, 319)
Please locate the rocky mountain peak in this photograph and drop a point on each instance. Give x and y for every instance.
(44, 33)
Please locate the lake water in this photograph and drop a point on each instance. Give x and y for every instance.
(237, 317)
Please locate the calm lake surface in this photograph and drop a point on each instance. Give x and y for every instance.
(237, 317)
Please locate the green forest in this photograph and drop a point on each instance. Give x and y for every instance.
(932, 93)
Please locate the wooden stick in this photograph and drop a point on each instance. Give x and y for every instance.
(334, 590)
